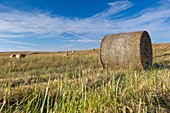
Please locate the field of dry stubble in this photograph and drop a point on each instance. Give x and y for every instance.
(53, 82)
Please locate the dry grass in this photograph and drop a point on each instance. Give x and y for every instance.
(51, 82)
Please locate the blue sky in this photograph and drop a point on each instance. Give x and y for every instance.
(53, 25)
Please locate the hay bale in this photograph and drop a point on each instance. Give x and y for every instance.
(73, 51)
(20, 55)
(12, 56)
(66, 55)
(126, 50)
(33, 52)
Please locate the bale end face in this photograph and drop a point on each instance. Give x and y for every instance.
(146, 51)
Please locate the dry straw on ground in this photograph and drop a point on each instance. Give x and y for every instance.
(126, 50)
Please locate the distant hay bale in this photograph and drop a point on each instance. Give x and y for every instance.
(67, 52)
(20, 55)
(73, 51)
(66, 55)
(33, 52)
(93, 49)
(12, 56)
(126, 50)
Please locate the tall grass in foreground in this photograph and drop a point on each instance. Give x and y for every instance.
(78, 83)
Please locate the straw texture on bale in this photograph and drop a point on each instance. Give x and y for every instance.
(126, 50)
(20, 55)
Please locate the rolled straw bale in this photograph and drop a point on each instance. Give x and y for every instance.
(12, 56)
(66, 55)
(73, 51)
(126, 50)
(20, 55)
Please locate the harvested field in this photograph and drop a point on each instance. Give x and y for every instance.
(50, 82)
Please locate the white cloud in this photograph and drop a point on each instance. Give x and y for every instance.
(17, 48)
(42, 23)
(86, 40)
(14, 42)
(114, 8)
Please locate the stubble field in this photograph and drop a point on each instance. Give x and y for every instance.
(53, 82)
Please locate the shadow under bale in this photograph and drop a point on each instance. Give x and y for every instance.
(161, 101)
(162, 65)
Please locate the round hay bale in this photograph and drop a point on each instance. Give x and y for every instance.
(33, 52)
(126, 50)
(12, 56)
(66, 55)
(73, 51)
(20, 55)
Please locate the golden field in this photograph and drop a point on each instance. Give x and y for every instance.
(51, 82)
